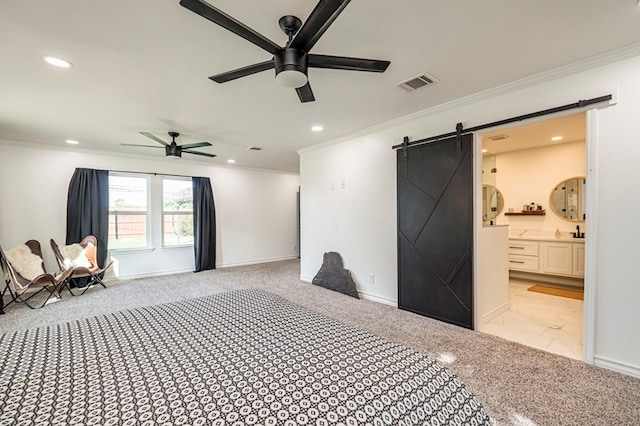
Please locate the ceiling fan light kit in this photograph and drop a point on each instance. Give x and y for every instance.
(291, 67)
(291, 61)
(173, 151)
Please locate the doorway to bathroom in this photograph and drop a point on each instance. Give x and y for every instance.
(533, 227)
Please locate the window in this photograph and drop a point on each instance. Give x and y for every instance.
(177, 212)
(128, 211)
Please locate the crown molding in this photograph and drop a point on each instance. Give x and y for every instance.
(613, 56)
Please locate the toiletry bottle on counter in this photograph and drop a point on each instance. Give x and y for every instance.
(558, 234)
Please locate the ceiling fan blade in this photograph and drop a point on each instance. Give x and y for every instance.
(345, 63)
(325, 12)
(134, 144)
(195, 145)
(204, 154)
(242, 72)
(227, 22)
(305, 93)
(149, 135)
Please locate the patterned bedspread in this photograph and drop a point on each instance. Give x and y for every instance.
(242, 357)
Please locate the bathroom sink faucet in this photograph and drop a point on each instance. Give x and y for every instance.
(578, 234)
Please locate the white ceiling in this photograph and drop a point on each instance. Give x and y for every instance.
(142, 65)
(536, 134)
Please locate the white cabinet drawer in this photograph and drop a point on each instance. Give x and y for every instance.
(523, 263)
(527, 248)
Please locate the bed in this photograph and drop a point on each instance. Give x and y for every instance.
(242, 357)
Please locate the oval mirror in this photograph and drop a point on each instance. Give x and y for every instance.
(567, 199)
(492, 203)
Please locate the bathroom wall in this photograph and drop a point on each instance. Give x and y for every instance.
(530, 175)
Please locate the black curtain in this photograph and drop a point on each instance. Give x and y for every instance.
(88, 208)
(204, 224)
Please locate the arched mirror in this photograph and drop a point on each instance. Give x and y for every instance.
(567, 199)
(492, 203)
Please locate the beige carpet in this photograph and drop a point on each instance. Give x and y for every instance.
(555, 291)
(518, 385)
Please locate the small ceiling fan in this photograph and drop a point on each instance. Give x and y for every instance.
(173, 149)
(291, 61)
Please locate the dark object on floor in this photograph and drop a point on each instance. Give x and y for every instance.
(555, 291)
(333, 276)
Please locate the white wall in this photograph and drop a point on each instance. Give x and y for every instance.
(492, 269)
(360, 220)
(346, 208)
(255, 210)
(530, 175)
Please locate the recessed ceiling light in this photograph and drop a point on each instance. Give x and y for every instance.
(231, 161)
(57, 62)
(556, 138)
(317, 128)
(72, 142)
(485, 150)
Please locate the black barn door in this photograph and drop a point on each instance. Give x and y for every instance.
(435, 230)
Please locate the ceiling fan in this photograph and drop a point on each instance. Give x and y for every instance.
(291, 61)
(173, 150)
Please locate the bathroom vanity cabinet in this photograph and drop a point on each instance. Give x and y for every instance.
(561, 257)
(524, 255)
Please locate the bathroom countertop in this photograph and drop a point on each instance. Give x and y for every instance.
(545, 237)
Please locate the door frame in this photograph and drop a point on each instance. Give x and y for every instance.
(591, 211)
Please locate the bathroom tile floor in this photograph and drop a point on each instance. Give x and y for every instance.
(543, 321)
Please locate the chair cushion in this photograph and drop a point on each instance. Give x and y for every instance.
(75, 255)
(27, 264)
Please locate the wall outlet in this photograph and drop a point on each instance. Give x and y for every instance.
(343, 183)
(293, 247)
(372, 279)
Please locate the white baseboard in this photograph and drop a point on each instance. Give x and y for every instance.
(181, 271)
(495, 312)
(620, 367)
(379, 299)
(256, 261)
(363, 295)
(148, 274)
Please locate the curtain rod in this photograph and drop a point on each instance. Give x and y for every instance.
(150, 173)
(460, 131)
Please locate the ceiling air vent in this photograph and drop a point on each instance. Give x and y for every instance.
(498, 137)
(254, 148)
(417, 82)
